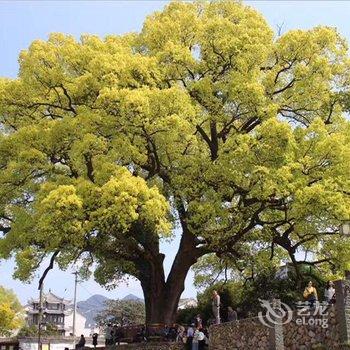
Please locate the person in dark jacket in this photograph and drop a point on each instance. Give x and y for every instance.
(81, 343)
(94, 340)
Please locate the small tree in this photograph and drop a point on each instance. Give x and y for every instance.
(30, 331)
(186, 316)
(11, 312)
(122, 312)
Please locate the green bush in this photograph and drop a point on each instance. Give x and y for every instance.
(243, 296)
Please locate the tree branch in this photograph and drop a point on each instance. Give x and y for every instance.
(50, 267)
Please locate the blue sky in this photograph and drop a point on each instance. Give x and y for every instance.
(21, 22)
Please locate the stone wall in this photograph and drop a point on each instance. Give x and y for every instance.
(134, 346)
(314, 332)
(329, 329)
(151, 346)
(302, 333)
(248, 334)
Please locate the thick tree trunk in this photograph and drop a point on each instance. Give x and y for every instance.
(162, 297)
(153, 284)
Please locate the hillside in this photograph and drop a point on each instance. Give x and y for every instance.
(90, 307)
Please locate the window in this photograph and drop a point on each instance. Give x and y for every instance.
(35, 319)
(53, 306)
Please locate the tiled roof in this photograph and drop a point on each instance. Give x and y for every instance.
(51, 298)
(51, 312)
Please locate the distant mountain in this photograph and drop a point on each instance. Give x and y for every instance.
(91, 307)
(132, 297)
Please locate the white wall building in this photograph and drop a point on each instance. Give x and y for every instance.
(59, 312)
(80, 322)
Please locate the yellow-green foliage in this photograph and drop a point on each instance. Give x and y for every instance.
(204, 114)
(11, 312)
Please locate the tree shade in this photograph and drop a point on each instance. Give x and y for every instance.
(204, 120)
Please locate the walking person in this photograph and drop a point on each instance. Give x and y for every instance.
(216, 306)
(310, 294)
(190, 333)
(94, 340)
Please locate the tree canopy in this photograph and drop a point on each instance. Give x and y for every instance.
(32, 331)
(122, 312)
(204, 120)
(11, 312)
(244, 294)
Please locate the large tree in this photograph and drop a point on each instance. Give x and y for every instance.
(204, 120)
